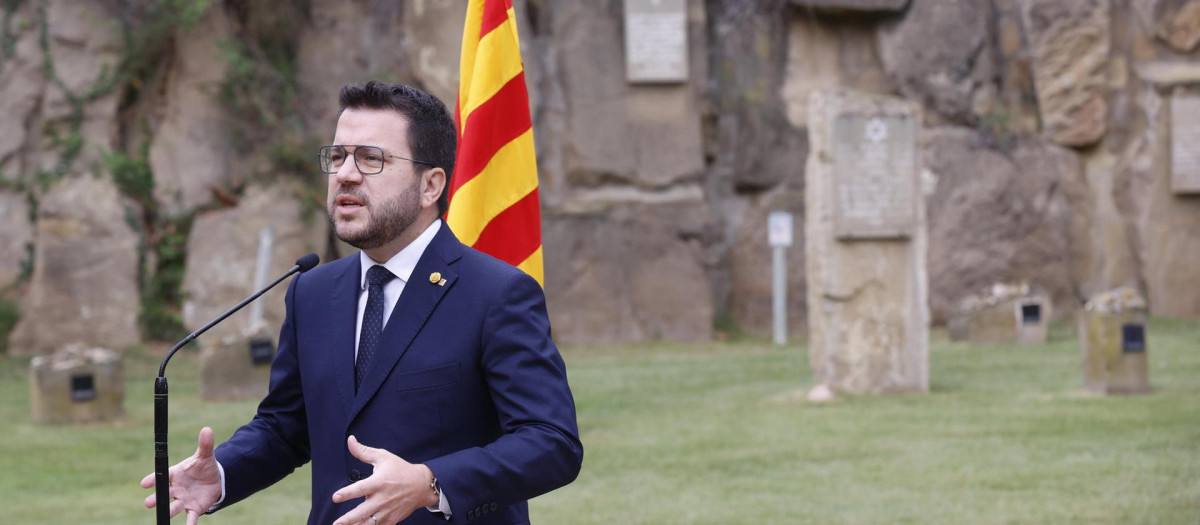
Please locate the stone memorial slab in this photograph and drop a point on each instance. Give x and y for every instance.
(1185, 144)
(1003, 314)
(1112, 341)
(1033, 320)
(656, 41)
(868, 294)
(875, 176)
(237, 367)
(77, 384)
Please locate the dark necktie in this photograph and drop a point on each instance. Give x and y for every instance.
(372, 323)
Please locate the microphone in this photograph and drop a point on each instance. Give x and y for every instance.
(161, 479)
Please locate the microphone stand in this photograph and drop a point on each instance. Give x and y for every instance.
(162, 483)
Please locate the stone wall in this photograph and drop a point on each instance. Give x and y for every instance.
(1049, 143)
(1001, 214)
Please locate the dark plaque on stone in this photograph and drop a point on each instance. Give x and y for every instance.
(83, 387)
(1185, 144)
(875, 176)
(1031, 313)
(262, 351)
(656, 41)
(1133, 338)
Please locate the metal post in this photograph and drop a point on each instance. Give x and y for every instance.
(779, 293)
(779, 237)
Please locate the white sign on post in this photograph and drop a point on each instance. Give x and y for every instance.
(779, 229)
(779, 236)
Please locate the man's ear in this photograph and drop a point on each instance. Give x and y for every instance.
(433, 182)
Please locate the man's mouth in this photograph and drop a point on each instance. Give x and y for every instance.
(348, 202)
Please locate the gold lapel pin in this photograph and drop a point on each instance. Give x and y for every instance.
(436, 278)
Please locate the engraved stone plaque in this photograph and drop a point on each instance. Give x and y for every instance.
(875, 176)
(656, 41)
(1185, 144)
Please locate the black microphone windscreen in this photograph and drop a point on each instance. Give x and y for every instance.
(308, 262)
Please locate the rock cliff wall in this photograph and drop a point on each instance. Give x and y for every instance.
(1048, 138)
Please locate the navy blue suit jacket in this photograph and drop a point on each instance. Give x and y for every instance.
(466, 380)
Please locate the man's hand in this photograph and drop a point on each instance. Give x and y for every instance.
(394, 490)
(195, 481)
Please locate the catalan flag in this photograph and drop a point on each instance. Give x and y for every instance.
(494, 192)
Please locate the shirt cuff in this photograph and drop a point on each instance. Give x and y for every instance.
(217, 505)
(442, 507)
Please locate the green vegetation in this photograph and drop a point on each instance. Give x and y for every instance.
(149, 34)
(70, 141)
(162, 292)
(260, 92)
(8, 38)
(9, 315)
(710, 433)
(132, 176)
(165, 238)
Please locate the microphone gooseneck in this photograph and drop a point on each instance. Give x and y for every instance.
(161, 480)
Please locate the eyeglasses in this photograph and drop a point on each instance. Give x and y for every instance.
(368, 159)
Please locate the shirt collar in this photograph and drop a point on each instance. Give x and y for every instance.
(403, 263)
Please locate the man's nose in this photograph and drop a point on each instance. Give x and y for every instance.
(348, 173)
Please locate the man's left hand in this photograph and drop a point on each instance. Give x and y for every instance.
(393, 491)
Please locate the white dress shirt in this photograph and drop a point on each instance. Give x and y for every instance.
(401, 265)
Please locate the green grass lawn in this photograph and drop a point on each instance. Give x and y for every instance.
(711, 433)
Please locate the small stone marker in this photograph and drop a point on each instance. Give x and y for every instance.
(1185, 144)
(77, 384)
(656, 49)
(865, 239)
(1112, 340)
(1006, 313)
(237, 367)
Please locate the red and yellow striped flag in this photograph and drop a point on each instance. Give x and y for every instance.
(494, 192)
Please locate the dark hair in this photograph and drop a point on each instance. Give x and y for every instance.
(431, 133)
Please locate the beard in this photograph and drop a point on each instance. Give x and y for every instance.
(385, 220)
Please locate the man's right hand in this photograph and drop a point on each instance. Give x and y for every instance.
(195, 481)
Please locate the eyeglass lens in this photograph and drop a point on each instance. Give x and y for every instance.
(368, 159)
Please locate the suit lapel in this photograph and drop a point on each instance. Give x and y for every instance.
(412, 310)
(343, 303)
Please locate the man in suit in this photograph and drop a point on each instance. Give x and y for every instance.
(417, 375)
